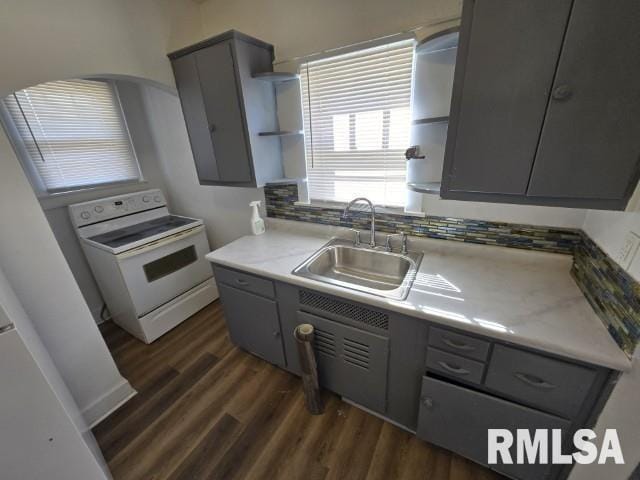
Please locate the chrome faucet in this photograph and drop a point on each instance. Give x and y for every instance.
(345, 214)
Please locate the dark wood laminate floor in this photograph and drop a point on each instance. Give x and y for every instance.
(206, 409)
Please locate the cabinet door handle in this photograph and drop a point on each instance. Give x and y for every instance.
(534, 381)
(276, 333)
(458, 345)
(426, 401)
(561, 92)
(244, 283)
(453, 369)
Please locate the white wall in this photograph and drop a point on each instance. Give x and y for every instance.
(42, 280)
(299, 28)
(78, 450)
(44, 41)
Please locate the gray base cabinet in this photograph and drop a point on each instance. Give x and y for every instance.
(253, 323)
(447, 385)
(545, 104)
(457, 419)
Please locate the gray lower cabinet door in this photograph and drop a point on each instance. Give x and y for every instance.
(458, 419)
(195, 117)
(504, 72)
(590, 144)
(253, 323)
(221, 95)
(351, 362)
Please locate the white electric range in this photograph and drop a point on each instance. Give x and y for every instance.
(149, 264)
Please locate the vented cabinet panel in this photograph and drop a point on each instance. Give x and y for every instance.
(346, 310)
(351, 362)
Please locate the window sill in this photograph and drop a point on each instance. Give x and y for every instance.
(64, 199)
(342, 205)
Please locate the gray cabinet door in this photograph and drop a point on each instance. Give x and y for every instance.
(351, 362)
(222, 104)
(195, 117)
(506, 62)
(253, 323)
(590, 143)
(457, 419)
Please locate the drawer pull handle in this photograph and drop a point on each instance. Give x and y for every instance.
(244, 283)
(534, 381)
(458, 345)
(453, 369)
(427, 402)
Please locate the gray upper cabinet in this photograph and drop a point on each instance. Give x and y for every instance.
(545, 104)
(225, 108)
(590, 143)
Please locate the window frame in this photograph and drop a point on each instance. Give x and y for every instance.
(27, 162)
(303, 185)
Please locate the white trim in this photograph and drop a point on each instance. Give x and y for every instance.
(108, 403)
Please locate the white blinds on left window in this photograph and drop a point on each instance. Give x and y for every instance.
(75, 134)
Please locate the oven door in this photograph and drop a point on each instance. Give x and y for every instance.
(160, 271)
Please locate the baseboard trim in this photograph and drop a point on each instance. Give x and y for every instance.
(108, 403)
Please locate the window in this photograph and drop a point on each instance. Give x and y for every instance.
(74, 135)
(356, 121)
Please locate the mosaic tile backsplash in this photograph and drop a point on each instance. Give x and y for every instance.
(280, 204)
(613, 294)
(611, 291)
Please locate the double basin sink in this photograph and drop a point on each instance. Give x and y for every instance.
(370, 270)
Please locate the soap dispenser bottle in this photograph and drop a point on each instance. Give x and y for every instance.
(257, 223)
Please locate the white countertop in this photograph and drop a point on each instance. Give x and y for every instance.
(520, 296)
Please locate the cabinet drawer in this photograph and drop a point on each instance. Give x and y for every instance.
(458, 343)
(543, 382)
(253, 323)
(457, 419)
(454, 366)
(245, 281)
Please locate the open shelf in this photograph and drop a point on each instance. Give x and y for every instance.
(280, 133)
(426, 121)
(439, 41)
(276, 77)
(427, 187)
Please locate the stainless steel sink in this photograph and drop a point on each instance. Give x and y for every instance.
(374, 271)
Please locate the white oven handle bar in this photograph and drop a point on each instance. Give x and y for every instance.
(161, 242)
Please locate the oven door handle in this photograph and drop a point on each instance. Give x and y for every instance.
(161, 242)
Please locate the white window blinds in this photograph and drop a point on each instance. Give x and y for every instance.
(356, 121)
(74, 133)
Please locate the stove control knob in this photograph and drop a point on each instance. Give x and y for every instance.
(99, 209)
(157, 199)
(146, 199)
(85, 215)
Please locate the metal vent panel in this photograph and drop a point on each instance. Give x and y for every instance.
(324, 342)
(356, 353)
(347, 310)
